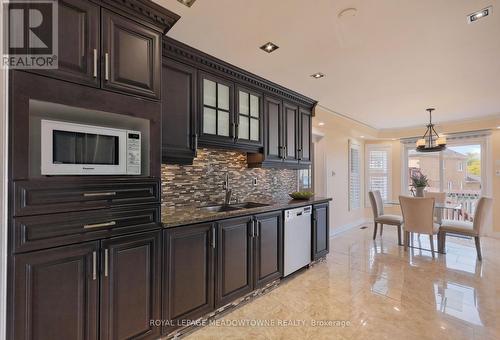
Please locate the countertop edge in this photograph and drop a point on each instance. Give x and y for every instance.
(245, 212)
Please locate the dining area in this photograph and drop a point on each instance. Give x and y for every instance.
(431, 214)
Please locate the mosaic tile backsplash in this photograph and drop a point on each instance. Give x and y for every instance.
(202, 182)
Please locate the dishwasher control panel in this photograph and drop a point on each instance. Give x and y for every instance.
(297, 212)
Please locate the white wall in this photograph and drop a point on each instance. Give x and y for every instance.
(331, 166)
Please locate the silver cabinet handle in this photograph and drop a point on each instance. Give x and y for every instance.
(98, 225)
(213, 238)
(284, 152)
(106, 262)
(94, 265)
(257, 232)
(106, 66)
(95, 63)
(195, 145)
(94, 194)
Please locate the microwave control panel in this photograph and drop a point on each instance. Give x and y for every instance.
(133, 153)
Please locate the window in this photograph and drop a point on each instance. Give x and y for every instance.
(248, 116)
(305, 180)
(460, 166)
(378, 167)
(354, 176)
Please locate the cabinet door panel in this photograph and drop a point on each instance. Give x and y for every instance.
(321, 232)
(290, 129)
(131, 56)
(273, 142)
(234, 259)
(178, 112)
(268, 248)
(305, 137)
(78, 37)
(55, 295)
(188, 290)
(131, 278)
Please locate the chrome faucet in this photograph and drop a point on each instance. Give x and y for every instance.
(229, 192)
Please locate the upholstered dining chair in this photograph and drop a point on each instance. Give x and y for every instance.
(418, 215)
(380, 218)
(467, 228)
(439, 197)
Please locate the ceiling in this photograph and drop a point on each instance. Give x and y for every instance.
(384, 66)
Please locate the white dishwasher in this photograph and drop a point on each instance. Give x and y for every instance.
(297, 245)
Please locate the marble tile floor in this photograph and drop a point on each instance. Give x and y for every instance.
(374, 290)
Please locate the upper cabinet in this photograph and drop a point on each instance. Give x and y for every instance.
(217, 124)
(179, 137)
(248, 117)
(119, 52)
(78, 43)
(132, 54)
(235, 110)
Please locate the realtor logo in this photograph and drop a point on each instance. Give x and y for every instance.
(30, 34)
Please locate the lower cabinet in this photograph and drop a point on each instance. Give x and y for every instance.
(268, 258)
(57, 292)
(234, 277)
(130, 287)
(210, 265)
(320, 231)
(188, 282)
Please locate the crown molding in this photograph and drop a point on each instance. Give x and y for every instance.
(181, 52)
(147, 11)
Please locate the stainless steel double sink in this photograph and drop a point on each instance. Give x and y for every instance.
(232, 207)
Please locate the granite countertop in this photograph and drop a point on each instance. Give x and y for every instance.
(174, 217)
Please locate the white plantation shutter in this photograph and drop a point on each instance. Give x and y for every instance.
(354, 176)
(378, 165)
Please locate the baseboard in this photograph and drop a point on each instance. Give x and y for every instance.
(348, 226)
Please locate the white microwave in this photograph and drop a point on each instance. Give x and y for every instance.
(77, 149)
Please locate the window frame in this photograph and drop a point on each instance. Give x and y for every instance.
(259, 120)
(230, 111)
(380, 147)
(353, 145)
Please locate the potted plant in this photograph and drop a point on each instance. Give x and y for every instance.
(419, 181)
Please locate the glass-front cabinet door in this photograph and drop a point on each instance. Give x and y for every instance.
(249, 117)
(216, 108)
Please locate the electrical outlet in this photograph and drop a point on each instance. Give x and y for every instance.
(254, 181)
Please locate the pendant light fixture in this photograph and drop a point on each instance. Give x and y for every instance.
(431, 141)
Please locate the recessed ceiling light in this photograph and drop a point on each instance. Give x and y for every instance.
(269, 47)
(394, 139)
(323, 124)
(479, 14)
(188, 3)
(317, 75)
(361, 136)
(348, 12)
(498, 127)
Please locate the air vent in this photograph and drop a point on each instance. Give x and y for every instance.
(479, 15)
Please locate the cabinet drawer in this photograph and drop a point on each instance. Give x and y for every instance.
(44, 231)
(53, 196)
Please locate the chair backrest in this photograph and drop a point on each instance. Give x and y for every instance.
(376, 203)
(439, 197)
(418, 214)
(482, 209)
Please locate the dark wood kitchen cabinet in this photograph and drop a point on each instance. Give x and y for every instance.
(234, 275)
(273, 108)
(58, 292)
(78, 43)
(320, 231)
(179, 138)
(188, 281)
(130, 286)
(55, 294)
(268, 247)
(131, 56)
(100, 48)
(249, 120)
